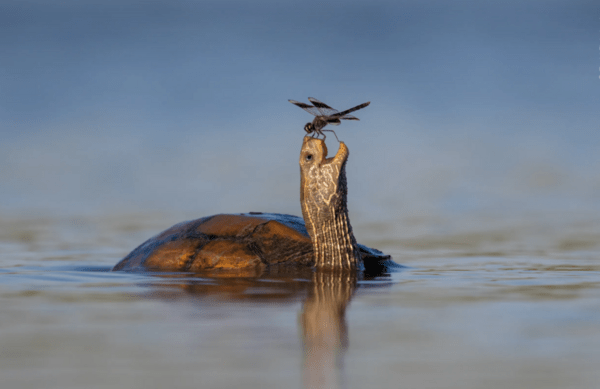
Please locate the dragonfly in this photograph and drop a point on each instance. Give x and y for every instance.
(325, 115)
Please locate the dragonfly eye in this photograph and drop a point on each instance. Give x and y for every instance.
(308, 128)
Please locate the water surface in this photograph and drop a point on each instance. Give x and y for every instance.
(468, 311)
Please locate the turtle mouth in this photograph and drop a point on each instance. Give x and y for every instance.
(340, 157)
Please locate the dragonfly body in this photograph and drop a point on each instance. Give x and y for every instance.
(325, 115)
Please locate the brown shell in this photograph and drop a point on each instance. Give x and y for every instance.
(231, 242)
(224, 242)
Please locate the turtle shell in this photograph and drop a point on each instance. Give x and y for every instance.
(252, 240)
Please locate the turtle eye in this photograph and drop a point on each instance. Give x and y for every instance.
(308, 157)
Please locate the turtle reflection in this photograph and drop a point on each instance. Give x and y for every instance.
(324, 330)
(324, 295)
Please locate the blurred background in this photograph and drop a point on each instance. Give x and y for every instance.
(487, 108)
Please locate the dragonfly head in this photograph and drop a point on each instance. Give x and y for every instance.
(309, 128)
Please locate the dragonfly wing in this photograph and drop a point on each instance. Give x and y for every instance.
(323, 108)
(307, 107)
(344, 113)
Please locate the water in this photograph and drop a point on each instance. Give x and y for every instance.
(476, 166)
(468, 310)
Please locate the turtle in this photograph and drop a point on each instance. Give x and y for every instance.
(322, 239)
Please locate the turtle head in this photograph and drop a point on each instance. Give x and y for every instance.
(314, 161)
(323, 193)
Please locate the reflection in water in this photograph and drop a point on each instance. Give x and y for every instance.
(323, 316)
(324, 330)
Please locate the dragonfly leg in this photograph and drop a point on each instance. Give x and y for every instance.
(333, 134)
(319, 132)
